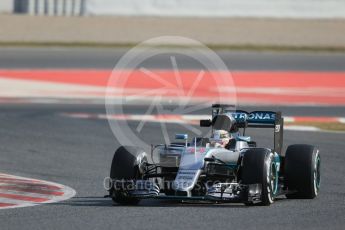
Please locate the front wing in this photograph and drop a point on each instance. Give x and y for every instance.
(221, 192)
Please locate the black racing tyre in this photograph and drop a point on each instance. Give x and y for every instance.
(302, 171)
(126, 165)
(259, 167)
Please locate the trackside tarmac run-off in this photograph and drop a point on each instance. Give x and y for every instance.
(18, 192)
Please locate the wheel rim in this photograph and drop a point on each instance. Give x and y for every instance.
(317, 174)
(274, 178)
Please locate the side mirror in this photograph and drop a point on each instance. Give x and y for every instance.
(209, 159)
(205, 123)
(181, 136)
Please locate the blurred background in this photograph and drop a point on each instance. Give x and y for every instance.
(308, 24)
(281, 54)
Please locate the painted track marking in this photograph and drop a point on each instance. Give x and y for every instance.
(252, 87)
(191, 118)
(18, 192)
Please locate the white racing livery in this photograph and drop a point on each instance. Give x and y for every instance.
(225, 167)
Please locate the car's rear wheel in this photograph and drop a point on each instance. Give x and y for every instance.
(127, 165)
(260, 167)
(302, 171)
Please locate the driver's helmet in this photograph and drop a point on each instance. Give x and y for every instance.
(220, 138)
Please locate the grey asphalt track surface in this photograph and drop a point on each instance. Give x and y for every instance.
(36, 142)
(106, 58)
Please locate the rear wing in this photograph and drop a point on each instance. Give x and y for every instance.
(255, 119)
(262, 119)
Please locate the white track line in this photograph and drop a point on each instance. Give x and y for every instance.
(301, 128)
(182, 119)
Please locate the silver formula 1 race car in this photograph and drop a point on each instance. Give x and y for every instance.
(228, 168)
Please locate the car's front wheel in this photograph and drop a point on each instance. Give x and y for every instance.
(260, 167)
(126, 165)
